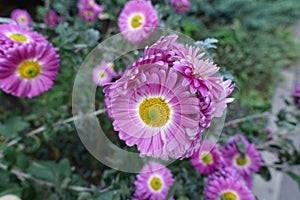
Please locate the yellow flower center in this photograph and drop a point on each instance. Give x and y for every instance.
(102, 75)
(156, 183)
(22, 19)
(241, 160)
(29, 69)
(111, 65)
(206, 158)
(229, 196)
(88, 13)
(18, 37)
(154, 112)
(136, 21)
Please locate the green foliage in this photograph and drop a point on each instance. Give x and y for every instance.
(254, 44)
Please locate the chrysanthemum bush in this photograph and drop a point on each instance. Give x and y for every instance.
(161, 101)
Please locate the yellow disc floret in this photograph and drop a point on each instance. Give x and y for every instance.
(154, 112)
(241, 160)
(156, 183)
(229, 196)
(206, 158)
(136, 21)
(29, 69)
(18, 37)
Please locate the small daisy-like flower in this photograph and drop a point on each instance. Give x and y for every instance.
(226, 184)
(245, 163)
(181, 6)
(104, 73)
(89, 10)
(153, 182)
(138, 21)
(52, 18)
(21, 17)
(152, 109)
(18, 35)
(207, 159)
(28, 70)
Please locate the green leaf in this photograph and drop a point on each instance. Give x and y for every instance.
(241, 146)
(264, 172)
(12, 127)
(91, 37)
(108, 195)
(295, 177)
(43, 170)
(64, 168)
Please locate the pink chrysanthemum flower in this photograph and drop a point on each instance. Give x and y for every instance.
(245, 164)
(207, 159)
(181, 6)
(166, 53)
(152, 109)
(89, 10)
(28, 70)
(52, 18)
(226, 184)
(104, 73)
(153, 182)
(199, 73)
(21, 17)
(138, 21)
(18, 35)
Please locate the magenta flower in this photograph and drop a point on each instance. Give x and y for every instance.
(153, 182)
(245, 164)
(104, 73)
(89, 10)
(160, 121)
(152, 109)
(21, 17)
(16, 35)
(181, 6)
(226, 184)
(207, 159)
(52, 18)
(138, 21)
(29, 69)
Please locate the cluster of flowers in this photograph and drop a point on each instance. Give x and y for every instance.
(229, 172)
(23, 18)
(296, 95)
(89, 10)
(229, 168)
(28, 62)
(166, 99)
